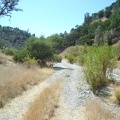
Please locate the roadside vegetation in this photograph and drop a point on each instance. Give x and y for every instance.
(98, 62)
(35, 51)
(98, 65)
(16, 78)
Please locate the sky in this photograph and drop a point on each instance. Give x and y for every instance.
(47, 17)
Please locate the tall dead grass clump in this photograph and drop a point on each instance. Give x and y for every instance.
(95, 111)
(44, 105)
(16, 79)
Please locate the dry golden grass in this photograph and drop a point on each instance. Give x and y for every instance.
(3, 56)
(5, 59)
(116, 44)
(14, 79)
(45, 104)
(103, 19)
(117, 64)
(94, 111)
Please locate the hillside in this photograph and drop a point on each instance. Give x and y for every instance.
(104, 25)
(12, 37)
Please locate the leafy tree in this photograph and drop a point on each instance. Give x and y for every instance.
(108, 13)
(106, 25)
(107, 37)
(94, 16)
(92, 28)
(87, 18)
(39, 50)
(20, 55)
(98, 35)
(115, 20)
(101, 13)
(56, 42)
(7, 6)
(118, 4)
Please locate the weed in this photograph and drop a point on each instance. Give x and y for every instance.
(96, 62)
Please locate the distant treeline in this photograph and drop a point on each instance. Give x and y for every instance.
(12, 37)
(103, 26)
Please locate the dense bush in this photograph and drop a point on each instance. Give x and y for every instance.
(96, 62)
(117, 51)
(81, 54)
(39, 50)
(9, 51)
(29, 61)
(75, 54)
(57, 58)
(20, 55)
(71, 58)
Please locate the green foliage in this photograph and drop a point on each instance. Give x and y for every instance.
(56, 42)
(75, 54)
(115, 20)
(57, 58)
(20, 55)
(107, 37)
(117, 51)
(96, 62)
(39, 50)
(1, 44)
(71, 58)
(7, 6)
(9, 51)
(81, 53)
(99, 35)
(29, 61)
(108, 13)
(101, 13)
(35, 51)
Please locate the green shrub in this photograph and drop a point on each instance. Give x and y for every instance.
(9, 51)
(29, 61)
(39, 50)
(20, 55)
(81, 53)
(117, 95)
(117, 51)
(71, 58)
(57, 58)
(96, 62)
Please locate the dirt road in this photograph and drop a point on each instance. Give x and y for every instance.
(72, 98)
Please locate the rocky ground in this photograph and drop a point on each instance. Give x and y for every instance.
(77, 92)
(72, 99)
